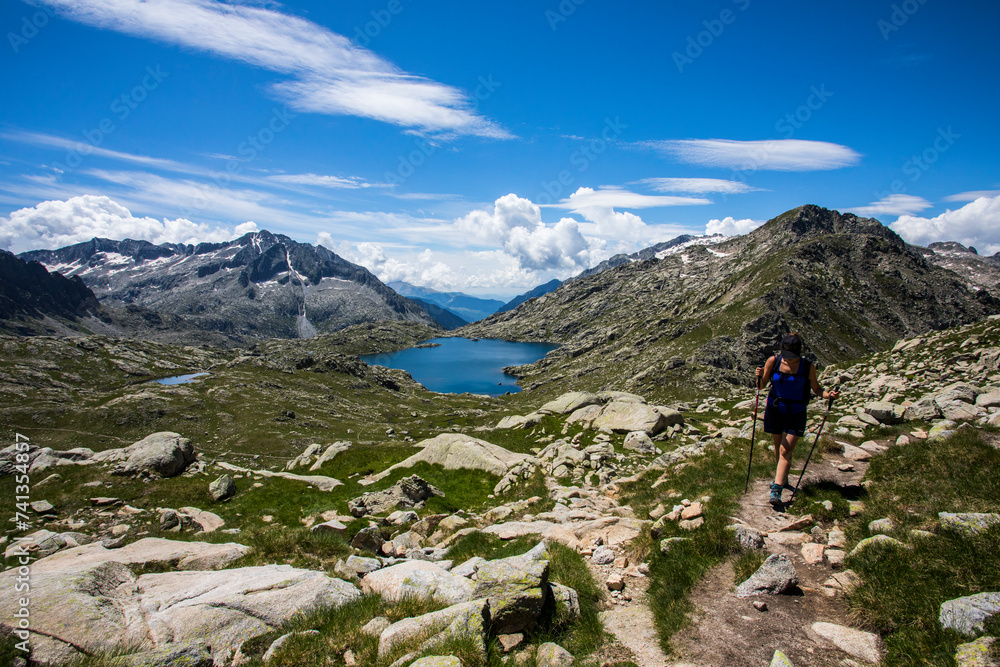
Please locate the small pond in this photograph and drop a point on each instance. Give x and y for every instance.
(458, 365)
(179, 379)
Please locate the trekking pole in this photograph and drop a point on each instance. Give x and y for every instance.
(815, 440)
(753, 434)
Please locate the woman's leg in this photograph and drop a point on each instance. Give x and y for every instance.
(777, 447)
(784, 446)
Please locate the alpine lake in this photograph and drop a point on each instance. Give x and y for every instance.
(459, 365)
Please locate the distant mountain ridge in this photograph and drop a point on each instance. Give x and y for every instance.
(541, 290)
(469, 308)
(260, 285)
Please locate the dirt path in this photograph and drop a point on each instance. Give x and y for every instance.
(631, 622)
(727, 630)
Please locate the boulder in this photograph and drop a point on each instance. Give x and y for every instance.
(638, 441)
(418, 578)
(775, 576)
(454, 451)
(332, 526)
(147, 551)
(39, 544)
(103, 607)
(406, 493)
(625, 417)
(990, 400)
(185, 654)
(667, 544)
(958, 391)
(881, 526)
(883, 540)
(329, 454)
(968, 614)
(208, 521)
(163, 454)
(603, 556)
(519, 421)
(983, 652)
(886, 413)
(516, 588)
(747, 537)
(585, 415)
(437, 661)
(222, 488)
(923, 410)
(553, 655)
(567, 602)
(968, 523)
(856, 643)
(466, 619)
(368, 539)
(569, 403)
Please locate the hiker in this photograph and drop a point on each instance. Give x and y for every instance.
(791, 379)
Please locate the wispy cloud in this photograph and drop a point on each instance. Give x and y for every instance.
(329, 74)
(84, 150)
(972, 195)
(619, 198)
(893, 205)
(697, 185)
(333, 182)
(769, 155)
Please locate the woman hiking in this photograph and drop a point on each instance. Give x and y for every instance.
(791, 378)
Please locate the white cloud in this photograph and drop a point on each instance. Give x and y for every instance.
(611, 197)
(769, 155)
(972, 195)
(732, 227)
(330, 74)
(54, 224)
(697, 185)
(975, 224)
(83, 150)
(893, 205)
(334, 182)
(516, 225)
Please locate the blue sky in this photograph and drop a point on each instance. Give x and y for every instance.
(488, 147)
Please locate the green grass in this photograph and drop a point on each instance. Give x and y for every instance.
(901, 591)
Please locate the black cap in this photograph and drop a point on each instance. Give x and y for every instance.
(791, 344)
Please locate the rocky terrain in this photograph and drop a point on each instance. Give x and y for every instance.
(284, 503)
(966, 262)
(29, 294)
(261, 285)
(704, 315)
(504, 539)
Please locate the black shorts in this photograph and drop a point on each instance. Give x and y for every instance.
(793, 423)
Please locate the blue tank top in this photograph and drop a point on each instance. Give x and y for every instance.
(789, 391)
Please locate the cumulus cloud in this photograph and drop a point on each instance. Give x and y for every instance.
(698, 185)
(976, 224)
(732, 227)
(516, 225)
(329, 74)
(769, 155)
(893, 205)
(54, 224)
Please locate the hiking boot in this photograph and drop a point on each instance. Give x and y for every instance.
(775, 499)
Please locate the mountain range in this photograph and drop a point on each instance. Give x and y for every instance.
(469, 308)
(261, 285)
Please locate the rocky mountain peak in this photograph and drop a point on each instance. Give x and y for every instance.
(812, 220)
(951, 246)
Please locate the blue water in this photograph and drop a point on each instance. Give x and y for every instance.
(180, 379)
(460, 365)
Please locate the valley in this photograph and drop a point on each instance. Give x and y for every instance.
(597, 517)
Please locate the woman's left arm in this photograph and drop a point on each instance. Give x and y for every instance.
(817, 389)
